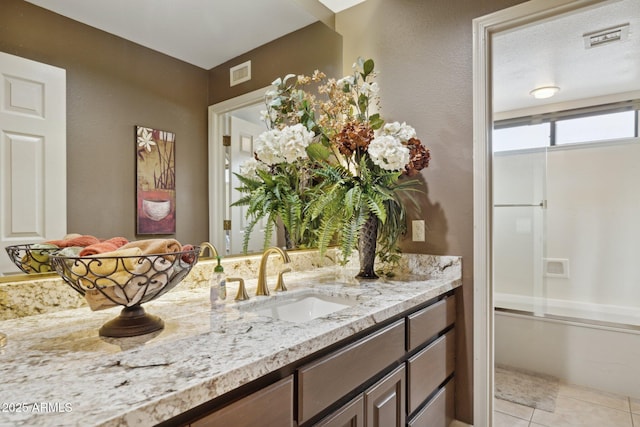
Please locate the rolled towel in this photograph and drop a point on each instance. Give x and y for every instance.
(108, 245)
(155, 246)
(83, 240)
(107, 269)
(151, 275)
(71, 251)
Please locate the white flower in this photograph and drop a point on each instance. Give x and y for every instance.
(403, 131)
(145, 139)
(388, 152)
(267, 147)
(346, 80)
(295, 140)
(249, 167)
(287, 145)
(369, 89)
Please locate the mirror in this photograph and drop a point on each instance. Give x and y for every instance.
(108, 95)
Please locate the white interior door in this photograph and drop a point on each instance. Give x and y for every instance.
(243, 133)
(33, 173)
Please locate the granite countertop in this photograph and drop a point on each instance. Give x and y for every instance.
(57, 370)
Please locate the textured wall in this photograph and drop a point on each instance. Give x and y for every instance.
(301, 52)
(423, 51)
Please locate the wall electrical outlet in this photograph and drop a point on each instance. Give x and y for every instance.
(417, 230)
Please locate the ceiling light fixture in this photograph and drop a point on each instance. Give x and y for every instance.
(544, 92)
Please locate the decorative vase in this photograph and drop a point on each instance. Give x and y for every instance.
(367, 248)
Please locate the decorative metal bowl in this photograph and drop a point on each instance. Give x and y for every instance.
(32, 258)
(129, 281)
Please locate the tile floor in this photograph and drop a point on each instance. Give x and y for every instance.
(575, 407)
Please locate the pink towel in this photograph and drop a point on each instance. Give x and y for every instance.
(108, 245)
(155, 246)
(83, 241)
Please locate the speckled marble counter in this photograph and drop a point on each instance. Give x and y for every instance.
(56, 370)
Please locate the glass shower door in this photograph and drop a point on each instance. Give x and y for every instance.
(519, 229)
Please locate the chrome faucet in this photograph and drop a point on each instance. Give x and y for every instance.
(262, 288)
(212, 249)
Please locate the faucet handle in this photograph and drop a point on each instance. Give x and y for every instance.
(280, 287)
(241, 295)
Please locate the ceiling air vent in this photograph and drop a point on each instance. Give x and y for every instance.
(240, 73)
(602, 37)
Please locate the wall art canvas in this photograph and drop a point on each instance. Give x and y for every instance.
(155, 181)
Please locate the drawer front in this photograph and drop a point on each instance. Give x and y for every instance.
(271, 406)
(430, 321)
(429, 368)
(440, 410)
(328, 379)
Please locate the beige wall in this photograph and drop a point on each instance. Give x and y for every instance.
(423, 51)
(313, 47)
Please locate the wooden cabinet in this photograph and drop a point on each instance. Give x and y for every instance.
(381, 405)
(401, 373)
(440, 410)
(385, 401)
(430, 321)
(271, 406)
(429, 368)
(350, 415)
(328, 379)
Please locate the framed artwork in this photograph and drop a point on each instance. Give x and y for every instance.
(155, 181)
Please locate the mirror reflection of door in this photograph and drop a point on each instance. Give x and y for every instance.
(32, 154)
(245, 126)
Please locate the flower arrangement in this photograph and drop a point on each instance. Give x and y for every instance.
(330, 167)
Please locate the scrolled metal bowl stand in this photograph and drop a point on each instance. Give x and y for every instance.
(83, 274)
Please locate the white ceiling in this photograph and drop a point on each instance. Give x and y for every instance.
(207, 33)
(553, 53)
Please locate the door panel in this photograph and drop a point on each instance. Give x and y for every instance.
(33, 203)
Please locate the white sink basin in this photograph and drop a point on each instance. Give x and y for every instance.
(304, 307)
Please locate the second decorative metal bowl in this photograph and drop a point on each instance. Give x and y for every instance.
(32, 258)
(129, 281)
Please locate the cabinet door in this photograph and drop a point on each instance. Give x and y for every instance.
(271, 406)
(385, 401)
(326, 380)
(350, 415)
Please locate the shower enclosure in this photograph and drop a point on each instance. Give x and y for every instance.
(566, 235)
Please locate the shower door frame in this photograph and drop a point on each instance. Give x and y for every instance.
(483, 306)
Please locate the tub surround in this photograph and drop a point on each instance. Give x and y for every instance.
(59, 359)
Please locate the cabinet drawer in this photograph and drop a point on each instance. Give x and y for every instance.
(429, 368)
(326, 380)
(428, 322)
(439, 412)
(271, 406)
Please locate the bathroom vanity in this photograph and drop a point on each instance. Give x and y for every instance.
(386, 357)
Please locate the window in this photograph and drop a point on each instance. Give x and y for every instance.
(591, 124)
(596, 128)
(521, 137)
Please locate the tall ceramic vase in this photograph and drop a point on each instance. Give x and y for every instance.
(367, 248)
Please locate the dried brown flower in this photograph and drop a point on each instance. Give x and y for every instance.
(419, 157)
(354, 136)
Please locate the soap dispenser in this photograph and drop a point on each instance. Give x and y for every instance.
(218, 286)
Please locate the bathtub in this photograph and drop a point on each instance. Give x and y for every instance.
(585, 344)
